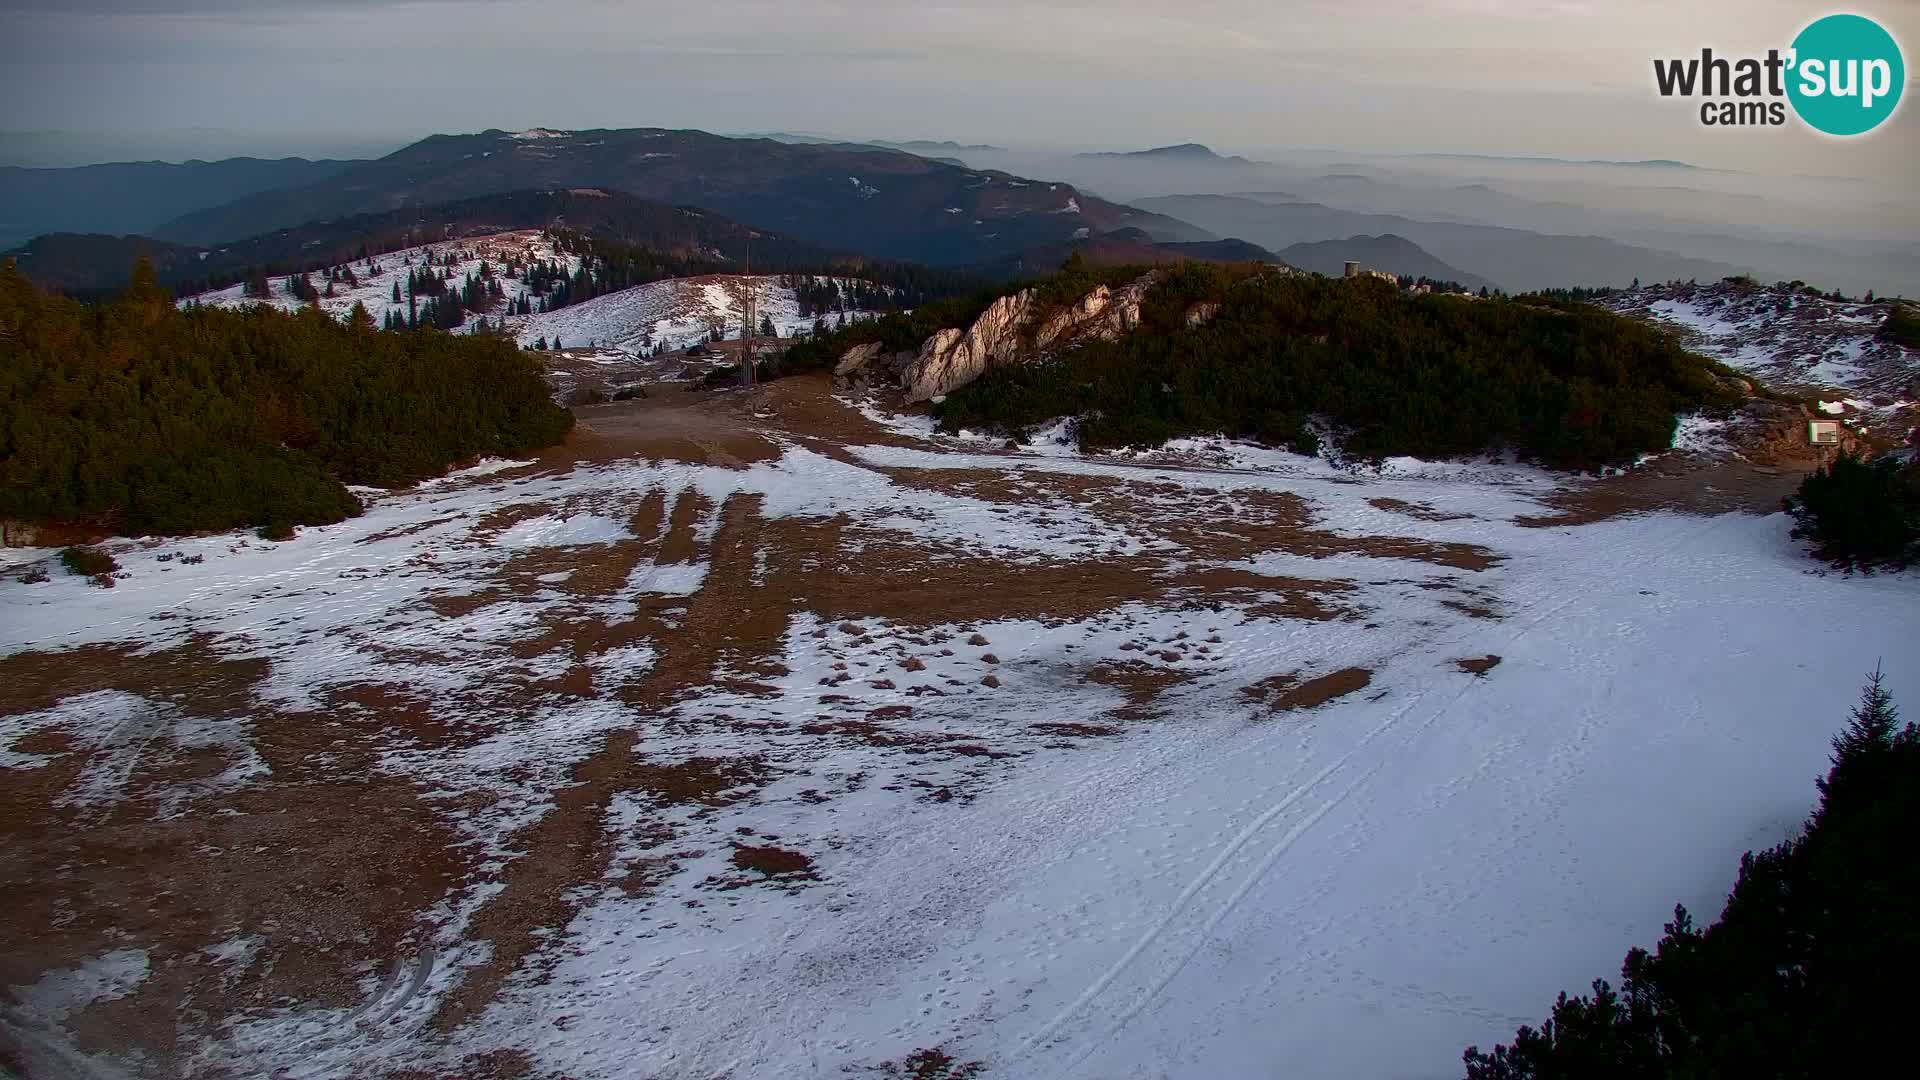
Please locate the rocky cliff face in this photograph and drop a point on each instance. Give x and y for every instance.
(953, 358)
(1004, 334)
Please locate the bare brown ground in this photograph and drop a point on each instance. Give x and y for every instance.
(1719, 487)
(1478, 665)
(332, 863)
(1286, 693)
(673, 424)
(328, 867)
(1143, 683)
(1417, 511)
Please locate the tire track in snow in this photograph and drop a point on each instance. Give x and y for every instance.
(1153, 935)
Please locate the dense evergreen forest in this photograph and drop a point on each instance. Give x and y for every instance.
(139, 417)
(1558, 381)
(1806, 972)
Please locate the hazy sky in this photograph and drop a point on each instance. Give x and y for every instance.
(1553, 77)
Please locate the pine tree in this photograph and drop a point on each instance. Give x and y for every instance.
(766, 326)
(396, 292)
(1871, 731)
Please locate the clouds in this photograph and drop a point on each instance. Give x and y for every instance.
(1516, 76)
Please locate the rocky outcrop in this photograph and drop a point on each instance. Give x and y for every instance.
(1202, 313)
(1103, 314)
(953, 358)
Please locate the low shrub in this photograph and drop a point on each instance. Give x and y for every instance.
(88, 562)
(1860, 515)
(1902, 326)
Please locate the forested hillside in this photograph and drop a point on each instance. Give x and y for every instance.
(631, 241)
(877, 202)
(1260, 353)
(139, 417)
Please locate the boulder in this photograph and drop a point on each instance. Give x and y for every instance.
(856, 359)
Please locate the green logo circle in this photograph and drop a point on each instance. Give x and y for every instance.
(1847, 75)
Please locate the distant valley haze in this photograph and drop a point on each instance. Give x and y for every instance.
(1493, 113)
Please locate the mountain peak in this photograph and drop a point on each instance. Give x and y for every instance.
(1190, 151)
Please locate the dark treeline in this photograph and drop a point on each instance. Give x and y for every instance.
(1564, 383)
(1805, 974)
(609, 264)
(136, 416)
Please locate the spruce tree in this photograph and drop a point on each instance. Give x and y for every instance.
(1870, 732)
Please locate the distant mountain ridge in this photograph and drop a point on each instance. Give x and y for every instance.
(138, 196)
(1129, 247)
(870, 200)
(1183, 152)
(1515, 259)
(1658, 163)
(1394, 254)
(85, 265)
(943, 146)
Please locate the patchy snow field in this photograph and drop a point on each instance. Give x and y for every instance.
(377, 276)
(1072, 767)
(1792, 341)
(677, 313)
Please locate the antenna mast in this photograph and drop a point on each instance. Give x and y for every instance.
(746, 331)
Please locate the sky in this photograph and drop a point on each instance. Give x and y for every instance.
(1566, 78)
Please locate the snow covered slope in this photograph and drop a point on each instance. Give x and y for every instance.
(1074, 767)
(676, 313)
(378, 276)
